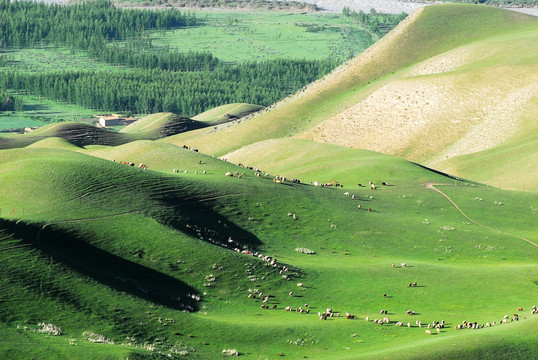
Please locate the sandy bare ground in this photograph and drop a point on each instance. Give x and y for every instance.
(441, 108)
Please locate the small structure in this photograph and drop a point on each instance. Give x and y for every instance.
(106, 120)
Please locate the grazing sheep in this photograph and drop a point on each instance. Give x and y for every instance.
(393, 265)
(408, 325)
(359, 206)
(228, 174)
(204, 172)
(519, 309)
(428, 332)
(300, 285)
(403, 264)
(186, 171)
(366, 318)
(353, 197)
(346, 194)
(288, 308)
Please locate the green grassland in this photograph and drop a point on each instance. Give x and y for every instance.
(102, 260)
(247, 36)
(9, 122)
(151, 127)
(509, 165)
(123, 247)
(49, 58)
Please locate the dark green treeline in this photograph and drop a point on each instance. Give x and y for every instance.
(154, 78)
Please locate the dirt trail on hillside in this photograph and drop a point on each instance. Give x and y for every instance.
(432, 186)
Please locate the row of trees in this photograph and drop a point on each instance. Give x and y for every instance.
(156, 79)
(24, 23)
(188, 93)
(10, 103)
(93, 26)
(377, 24)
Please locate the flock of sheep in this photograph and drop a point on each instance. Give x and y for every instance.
(256, 294)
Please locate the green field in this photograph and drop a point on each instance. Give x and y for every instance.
(51, 59)
(245, 36)
(198, 257)
(121, 243)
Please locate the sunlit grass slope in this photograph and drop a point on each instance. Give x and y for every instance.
(151, 127)
(466, 100)
(125, 251)
(76, 133)
(55, 143)
(227, 112)
(511, 165)
(424, 34)
(303, 159)
(160, 125)
(162, 157)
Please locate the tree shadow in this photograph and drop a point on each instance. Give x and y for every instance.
(35, 107)
(109, 269)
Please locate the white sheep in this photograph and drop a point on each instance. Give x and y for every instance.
(428, 332)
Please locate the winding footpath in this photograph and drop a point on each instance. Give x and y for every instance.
(432, 186)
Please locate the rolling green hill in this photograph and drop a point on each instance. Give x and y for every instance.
(159, 125)
(151, 127)
(226, 113)
(440, 84)
(109, 253)
(105, 260)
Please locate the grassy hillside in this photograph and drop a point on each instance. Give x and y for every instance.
(159, 125)
(511, 165)
(302, 159)
(226, 113)
(151, 127)
(461, 75)
(125, 251)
